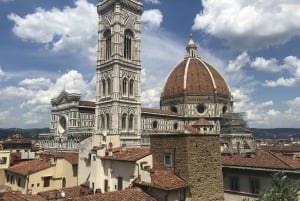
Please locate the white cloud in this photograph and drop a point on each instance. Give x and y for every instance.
(2, 74)
(238, 63)
(33, 98)
(61, 30)
(152, 18)
(152, 1)
(291, 64)
(5, 1)
(250, 24)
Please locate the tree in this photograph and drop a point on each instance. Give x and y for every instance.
(281, 189)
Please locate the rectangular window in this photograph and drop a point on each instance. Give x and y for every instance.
(120, 183)
(234, 183)
(254, 185)
(168, 160)
(182, 194)
(19, 182)
(7, 178)
(105, 185)
(3, 160)
(75, 170)
(46, 181)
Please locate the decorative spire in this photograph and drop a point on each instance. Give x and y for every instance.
(191, 48)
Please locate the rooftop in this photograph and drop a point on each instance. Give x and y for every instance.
(29, 167)
(71, 157)
(128, 154)
(267, 160)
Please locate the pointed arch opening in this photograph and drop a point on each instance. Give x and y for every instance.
(130, 122)
(124, 88)
(128, 37)
(123, 125)
(109, 86)
(131, 84)
(107, 38)
(103, 87)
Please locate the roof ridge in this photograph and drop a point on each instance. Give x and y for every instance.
(274, 155)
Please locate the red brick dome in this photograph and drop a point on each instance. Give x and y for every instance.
(193, 76)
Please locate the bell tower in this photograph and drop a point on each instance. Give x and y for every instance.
(118, 85)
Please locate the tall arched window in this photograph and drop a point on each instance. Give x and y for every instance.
(125, 86)
(102, 121)
(128, 36)
(108, 86)
(131, 87)
(107, 121)
(107, 38)
(103, 88)
(124, 116)
(130, 123)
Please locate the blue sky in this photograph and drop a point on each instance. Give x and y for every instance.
(50, 45)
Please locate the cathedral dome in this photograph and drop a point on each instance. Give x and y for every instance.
(194, 77)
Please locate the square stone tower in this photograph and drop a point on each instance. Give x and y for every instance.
(195, 158)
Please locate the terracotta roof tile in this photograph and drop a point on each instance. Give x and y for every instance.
(202, 122)
(17, 196)
(266, 160)
(69, 156)
(70, 192)
(130, 154)
(164, 178)
(200, 79)
(29, 167)
(133, 194)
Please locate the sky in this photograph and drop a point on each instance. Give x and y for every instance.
(48, 46)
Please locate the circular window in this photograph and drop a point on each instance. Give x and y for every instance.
(173, 109)
(224, 109)
(154, 124)
(201, 108)
(175, 126)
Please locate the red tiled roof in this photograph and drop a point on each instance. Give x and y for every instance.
(199, 78)
(87, 103)
(266, 160)
(17, 139)
(164, 178)
(133, 194)
(70, 192)
(159, 111)
(130, 154)
(29, 167)
(17, 196)
(69, 156)
(202, 122)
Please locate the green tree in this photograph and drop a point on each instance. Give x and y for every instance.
(281, 189)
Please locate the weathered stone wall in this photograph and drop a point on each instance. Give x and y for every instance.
(197, 159)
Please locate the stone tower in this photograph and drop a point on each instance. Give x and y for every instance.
(196, 158)
(118, 90)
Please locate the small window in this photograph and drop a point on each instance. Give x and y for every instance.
(32, 185)
(254, 185)
(3, 160)
(120, 183)
(173, 109)
(154, 124)
(201, 108)
(105, 185)
(47, 181)
(168, 160)
(19, 182)
(7, 178)
(234, 183)
(224, 109)
(175, 126)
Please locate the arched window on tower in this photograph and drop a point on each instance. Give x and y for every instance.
(102, 122)
(128, 36)
(107, 38)
(108, 86)
(107, 121)
(103, 88)
(124, 117)
(130, 123)
(125, 83)
(131, 87)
